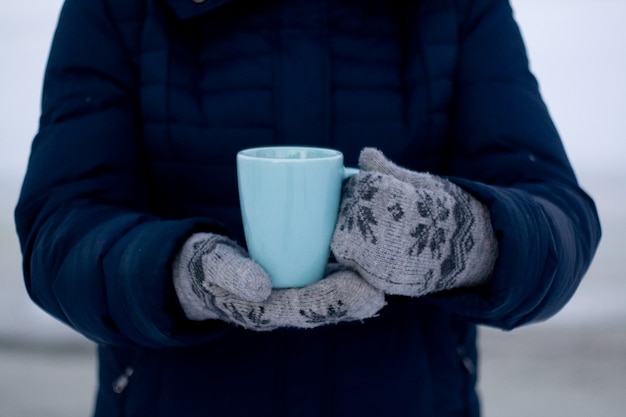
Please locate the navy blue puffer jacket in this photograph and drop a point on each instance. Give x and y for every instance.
(146, 103)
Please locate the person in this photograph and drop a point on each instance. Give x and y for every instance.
(466, 211)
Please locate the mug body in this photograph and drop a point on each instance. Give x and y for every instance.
(289, 200)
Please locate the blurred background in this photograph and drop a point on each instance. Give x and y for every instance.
(573, 365)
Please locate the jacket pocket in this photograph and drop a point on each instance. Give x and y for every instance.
(129, 383)
(112, 396)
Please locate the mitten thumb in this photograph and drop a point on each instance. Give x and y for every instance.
(216, 260)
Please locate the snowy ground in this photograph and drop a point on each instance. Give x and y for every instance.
(573, 366)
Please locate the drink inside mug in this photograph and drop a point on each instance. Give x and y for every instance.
(289, 199)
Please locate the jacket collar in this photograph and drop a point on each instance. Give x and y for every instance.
(186, 9)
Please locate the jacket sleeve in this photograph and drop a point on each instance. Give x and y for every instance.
(509, 155)
(94, 255)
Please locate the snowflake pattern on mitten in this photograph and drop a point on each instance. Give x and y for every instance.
(342, 296)
(407, 240)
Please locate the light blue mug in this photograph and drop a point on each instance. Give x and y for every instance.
(289, 200)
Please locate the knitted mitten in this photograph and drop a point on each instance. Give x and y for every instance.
(215, 279)
(410, 233)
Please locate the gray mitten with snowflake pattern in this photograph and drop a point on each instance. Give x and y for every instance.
(410, 233)
(215, 279)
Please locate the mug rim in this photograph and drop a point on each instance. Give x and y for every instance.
(325, 153)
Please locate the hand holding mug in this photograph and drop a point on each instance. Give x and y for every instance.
(215, 279)
(412, 233)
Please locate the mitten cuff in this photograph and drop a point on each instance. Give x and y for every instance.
(185, 273)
